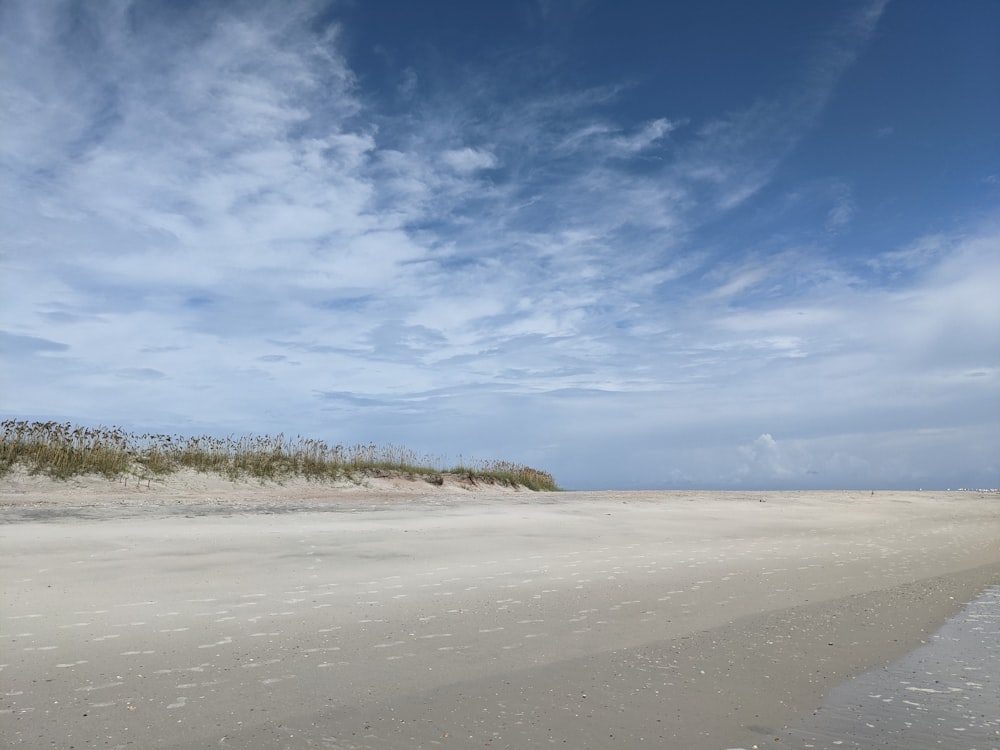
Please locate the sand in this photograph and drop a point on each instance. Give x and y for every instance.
(202, 614)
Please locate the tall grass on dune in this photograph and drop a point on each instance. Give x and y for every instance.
(62, 450)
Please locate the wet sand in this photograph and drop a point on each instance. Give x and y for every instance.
(423, 619)
(944, 694)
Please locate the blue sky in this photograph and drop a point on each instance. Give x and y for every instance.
(636, 244)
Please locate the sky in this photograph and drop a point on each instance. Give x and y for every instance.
(639, 245)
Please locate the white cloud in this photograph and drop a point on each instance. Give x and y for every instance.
(649, 134)
(599, 139)
(766, 458)
(468, 160)
(742, 281)
(918, 254)
(842, 213)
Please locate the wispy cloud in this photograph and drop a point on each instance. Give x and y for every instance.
(920, 253)
(840, 215)
(735, 155)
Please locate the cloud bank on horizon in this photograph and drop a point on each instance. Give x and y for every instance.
(717, 244)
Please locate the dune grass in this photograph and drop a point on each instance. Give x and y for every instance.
(62, 450)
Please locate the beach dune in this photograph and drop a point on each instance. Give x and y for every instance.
(402, 616)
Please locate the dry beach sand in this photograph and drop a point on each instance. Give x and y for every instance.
(203, 614)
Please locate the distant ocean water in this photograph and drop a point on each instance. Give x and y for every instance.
(944, 694)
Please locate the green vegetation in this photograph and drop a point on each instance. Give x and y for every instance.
(61, 451)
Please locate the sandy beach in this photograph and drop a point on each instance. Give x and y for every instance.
(203, 614)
